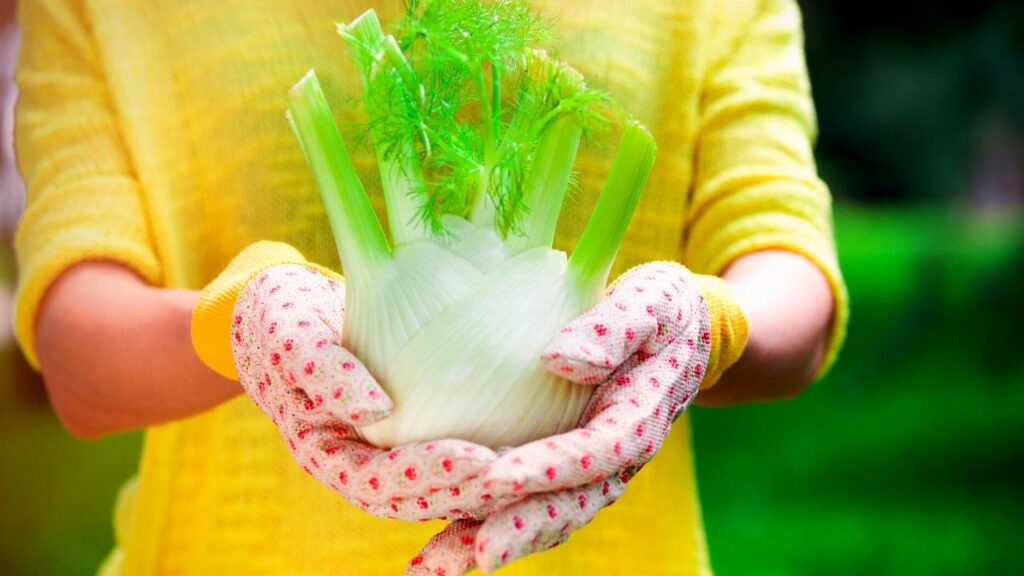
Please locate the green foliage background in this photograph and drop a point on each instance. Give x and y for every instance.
(907, 459)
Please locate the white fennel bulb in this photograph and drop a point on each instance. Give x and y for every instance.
(452, 314)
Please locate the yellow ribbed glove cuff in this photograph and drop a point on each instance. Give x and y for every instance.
(729, 327)
(211, 320)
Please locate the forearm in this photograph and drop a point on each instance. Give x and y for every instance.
(116, 354)
(789, 306)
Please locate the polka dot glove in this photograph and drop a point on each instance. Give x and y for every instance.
(646, 347)
(287, 347)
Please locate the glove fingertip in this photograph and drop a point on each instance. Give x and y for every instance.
(582, 368)
(499, 480)
(363, 415)
(487, 559)
(578, 353)
(359, 399)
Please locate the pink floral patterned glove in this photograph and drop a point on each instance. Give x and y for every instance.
(286, 341)
(646, 345)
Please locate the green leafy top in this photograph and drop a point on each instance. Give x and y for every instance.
(462, 89)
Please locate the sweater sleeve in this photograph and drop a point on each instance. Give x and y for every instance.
(213, 316)
(755, 183)
(729, 328)
(84, 202)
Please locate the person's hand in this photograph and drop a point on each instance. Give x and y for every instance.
(646, 345)
(286, 341)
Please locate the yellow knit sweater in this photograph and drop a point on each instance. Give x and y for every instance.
(152, 134)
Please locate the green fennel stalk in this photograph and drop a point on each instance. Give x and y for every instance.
(451, 316)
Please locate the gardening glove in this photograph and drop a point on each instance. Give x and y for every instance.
(648, 345)
(285, 342)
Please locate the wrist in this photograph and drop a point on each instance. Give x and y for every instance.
(213, 314)
(730, 328)
(788, 303)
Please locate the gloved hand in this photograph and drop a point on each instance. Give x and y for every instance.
(646, 345)
(286, 341)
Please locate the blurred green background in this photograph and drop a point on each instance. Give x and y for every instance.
(907, 459)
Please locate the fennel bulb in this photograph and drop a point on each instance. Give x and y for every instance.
(453, 313)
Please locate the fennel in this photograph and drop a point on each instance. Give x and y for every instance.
(475, 134)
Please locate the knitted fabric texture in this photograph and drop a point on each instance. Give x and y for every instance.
(152, 134)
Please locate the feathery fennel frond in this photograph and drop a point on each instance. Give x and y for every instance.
(463, 88)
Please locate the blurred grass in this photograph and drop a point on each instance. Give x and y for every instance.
(905, 460)
(56, 492)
